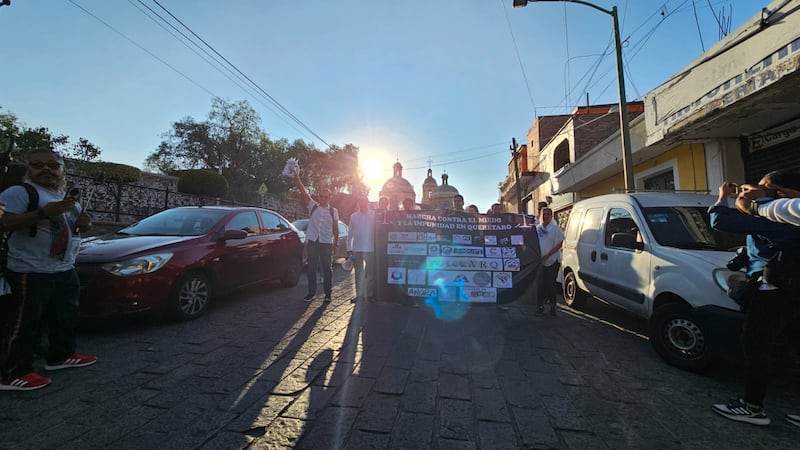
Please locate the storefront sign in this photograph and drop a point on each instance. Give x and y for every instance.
(775, 136)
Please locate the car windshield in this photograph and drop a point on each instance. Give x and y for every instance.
(689, 228)
(177, 222)
(301, 224)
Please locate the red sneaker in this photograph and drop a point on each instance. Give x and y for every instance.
(26, 382)
(72, 361)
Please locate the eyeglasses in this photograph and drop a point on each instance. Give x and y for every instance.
(38, 165)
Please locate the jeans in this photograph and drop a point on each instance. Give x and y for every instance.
(547, 284)
(768, 315)
(364, 265)
(319, 254)
(40, 301)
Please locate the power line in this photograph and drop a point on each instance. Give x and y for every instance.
(259, 88)
(144, 49)
(697, 22)
(519, 59)
(216, 64)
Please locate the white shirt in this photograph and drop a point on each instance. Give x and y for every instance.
(549, 237)
(320, 223)
(361, 237)
(784, 210)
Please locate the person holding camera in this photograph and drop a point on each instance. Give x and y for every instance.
(785, 208)
(40, 269)
(769, 303)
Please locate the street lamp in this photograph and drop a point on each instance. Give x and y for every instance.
(627, 159)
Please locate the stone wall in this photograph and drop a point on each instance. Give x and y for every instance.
(113, 204)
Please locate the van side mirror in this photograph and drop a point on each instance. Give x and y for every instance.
(626, 240)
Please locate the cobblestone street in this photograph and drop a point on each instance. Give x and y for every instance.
(266, 370)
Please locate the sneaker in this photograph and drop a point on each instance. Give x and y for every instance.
(327, 298)
(26, 382)
(308, 297)
(74, 360)
(793, 419)
(740, 411)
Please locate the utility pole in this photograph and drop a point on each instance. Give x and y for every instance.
(515, 162)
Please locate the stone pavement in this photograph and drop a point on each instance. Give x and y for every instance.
(264, 369)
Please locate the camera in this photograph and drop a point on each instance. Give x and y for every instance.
(739, 261)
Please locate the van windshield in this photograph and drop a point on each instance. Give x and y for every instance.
(688, 227)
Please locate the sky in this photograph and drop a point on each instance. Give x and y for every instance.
(429, 83)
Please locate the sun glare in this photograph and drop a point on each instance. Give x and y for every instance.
(373, 169)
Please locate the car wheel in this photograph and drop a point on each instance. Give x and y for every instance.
(678, 338)
(191, 296)
(574, 296)
(294, 269)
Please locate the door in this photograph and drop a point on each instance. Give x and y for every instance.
(623, 274)
(587, 247)
(239, 262)
(278, 247)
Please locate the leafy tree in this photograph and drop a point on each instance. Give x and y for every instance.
(84, 151)
(227, 142)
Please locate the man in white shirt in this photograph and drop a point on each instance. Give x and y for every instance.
(361, 249)
(322, 238)
(550, 239)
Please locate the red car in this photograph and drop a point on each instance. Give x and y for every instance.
(178, 259)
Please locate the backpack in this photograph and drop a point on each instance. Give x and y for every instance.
(33, 205)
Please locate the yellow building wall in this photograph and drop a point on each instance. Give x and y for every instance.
(691, 171)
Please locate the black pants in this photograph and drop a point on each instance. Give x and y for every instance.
(547, 285)
(39, 301)
(768, 314)
(319, 254)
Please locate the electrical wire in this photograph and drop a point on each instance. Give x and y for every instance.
(519, 59)
(697, 22)
(108, 25)
(216, 64)
(271, 99)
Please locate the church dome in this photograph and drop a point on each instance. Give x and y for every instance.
(442, 196)
(397, 188)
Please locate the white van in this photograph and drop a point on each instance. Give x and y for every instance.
(656, 256)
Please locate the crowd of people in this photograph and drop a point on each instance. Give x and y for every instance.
(39, 289)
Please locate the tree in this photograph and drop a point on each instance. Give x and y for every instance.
(228, 142)
(27, 139)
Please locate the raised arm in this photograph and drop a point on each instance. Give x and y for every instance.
(302, 188)
(784, 210)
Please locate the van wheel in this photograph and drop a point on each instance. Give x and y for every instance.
(294, 269)
(191, 296)
(678, 338)
(574, 296)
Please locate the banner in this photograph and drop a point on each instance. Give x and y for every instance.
(444, 255)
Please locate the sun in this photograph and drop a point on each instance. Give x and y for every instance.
(372, 168)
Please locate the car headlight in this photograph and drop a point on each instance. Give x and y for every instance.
(723, 277)
(138, 266)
